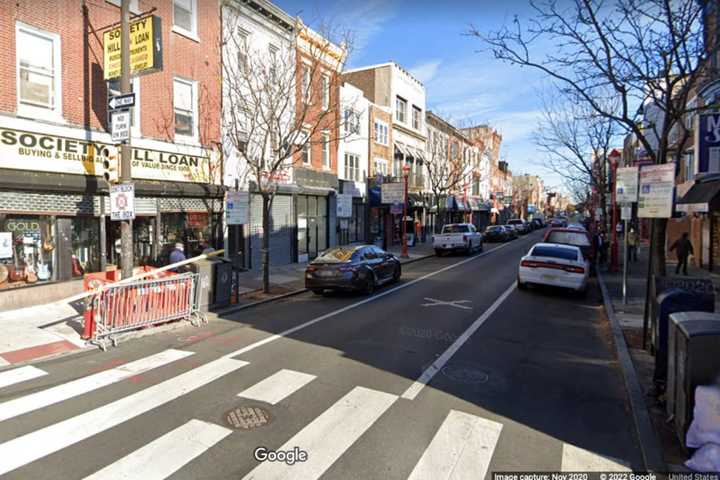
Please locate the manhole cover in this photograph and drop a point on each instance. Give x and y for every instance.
(465, 374)
(247, 418)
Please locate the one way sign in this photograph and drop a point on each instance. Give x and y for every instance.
(121, 102)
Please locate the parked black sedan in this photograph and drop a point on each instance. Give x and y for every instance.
(358, 267)
(496, 233)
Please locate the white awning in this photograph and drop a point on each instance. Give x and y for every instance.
(403, 149)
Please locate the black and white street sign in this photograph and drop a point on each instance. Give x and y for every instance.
(122, 201)
(121, 102)
(120, 120)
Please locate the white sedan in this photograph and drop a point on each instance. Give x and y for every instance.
(556, 265)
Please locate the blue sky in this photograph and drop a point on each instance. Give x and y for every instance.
(464, 83)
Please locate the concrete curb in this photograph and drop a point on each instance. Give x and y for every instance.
(650, 446)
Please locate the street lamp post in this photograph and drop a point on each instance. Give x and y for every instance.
(404, 254)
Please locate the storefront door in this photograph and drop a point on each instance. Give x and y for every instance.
(311, 226)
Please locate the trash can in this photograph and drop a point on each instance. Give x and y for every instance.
(223, 283)
(695, 362)
(669, 302)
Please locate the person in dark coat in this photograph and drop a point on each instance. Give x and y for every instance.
(683, 247)
(178, 255)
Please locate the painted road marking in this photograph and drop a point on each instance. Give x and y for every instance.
(434, 302)
(40, 443)
(277, 386)
(438, 364)
(34, 401)
(372, 298)
(165, 455)
(18, 375)
(462, 448)
(327, 437)
(576, 459)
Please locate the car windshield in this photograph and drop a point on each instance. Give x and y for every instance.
(570, 238)
(336, 255)
(455, 229)
(555, 252)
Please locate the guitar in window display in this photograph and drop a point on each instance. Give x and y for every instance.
(43, 273)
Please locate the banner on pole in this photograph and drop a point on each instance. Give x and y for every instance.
(657, 184)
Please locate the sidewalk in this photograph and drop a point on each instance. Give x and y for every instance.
(629, 318)
(46, 330)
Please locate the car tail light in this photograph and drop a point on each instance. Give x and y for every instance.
(529, 264)
(310, 269)
(575, 269)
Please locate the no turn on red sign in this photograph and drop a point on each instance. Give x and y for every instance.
(122, 202)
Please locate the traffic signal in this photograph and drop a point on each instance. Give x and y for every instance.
(111, 165)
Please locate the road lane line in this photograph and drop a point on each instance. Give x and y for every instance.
(440, 362)
(18, 375)
(327, 437)
(59, 393)
(277, 386)
(576, 459)
(462, 448)
(165, 455)
(45, 441)
(372, 298)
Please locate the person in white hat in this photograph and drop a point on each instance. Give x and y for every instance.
(178, 254)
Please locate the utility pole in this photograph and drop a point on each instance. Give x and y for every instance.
(126, 240)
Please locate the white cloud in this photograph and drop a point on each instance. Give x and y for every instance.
(426, 71)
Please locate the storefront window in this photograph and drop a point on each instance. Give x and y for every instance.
(27, 244)
(85, 245)
(193, 229)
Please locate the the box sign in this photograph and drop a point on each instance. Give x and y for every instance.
(393, 192)
(657, 183)
(145, 48)
(120, 125)
(709, 142)
(122, 202)
(344, 205)
(23, 150)
(626, 187)
(237, 207)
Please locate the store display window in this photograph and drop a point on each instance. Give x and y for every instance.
(27, 250)
(85, 245)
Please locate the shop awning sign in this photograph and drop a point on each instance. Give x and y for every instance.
(626, 186)
(237, 208)
(393, 192)
(122, 202)
(657, 184)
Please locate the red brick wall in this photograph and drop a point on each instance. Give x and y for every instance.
(83, 88)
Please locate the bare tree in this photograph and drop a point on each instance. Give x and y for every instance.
(278, 102)
(621, 52)
(446, 174)
(576, 142)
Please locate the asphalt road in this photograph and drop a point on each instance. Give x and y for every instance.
(451, 373)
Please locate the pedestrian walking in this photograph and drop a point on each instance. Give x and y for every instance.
(683, 247)
(178, 255)
(632, 242)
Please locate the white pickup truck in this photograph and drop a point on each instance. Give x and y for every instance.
(458, 237)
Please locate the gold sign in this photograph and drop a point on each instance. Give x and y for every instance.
(145, 48)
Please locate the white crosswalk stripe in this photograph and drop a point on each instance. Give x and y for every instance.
(576, 459)
(462, 448)
(277, 386)
(165, 455)
(17, 375)
(40, 443)
(35, 401)
(327, 437)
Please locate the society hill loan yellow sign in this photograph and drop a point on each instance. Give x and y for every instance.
(145, 48)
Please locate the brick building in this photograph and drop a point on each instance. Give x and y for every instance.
(54, 127)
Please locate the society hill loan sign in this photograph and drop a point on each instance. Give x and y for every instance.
(22, 150)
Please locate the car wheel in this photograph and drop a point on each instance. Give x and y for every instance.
(397, 273)
(438, 252)
(521, 285)
(318, 291)
(582, 293)
(481, 247)
(370, 284)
